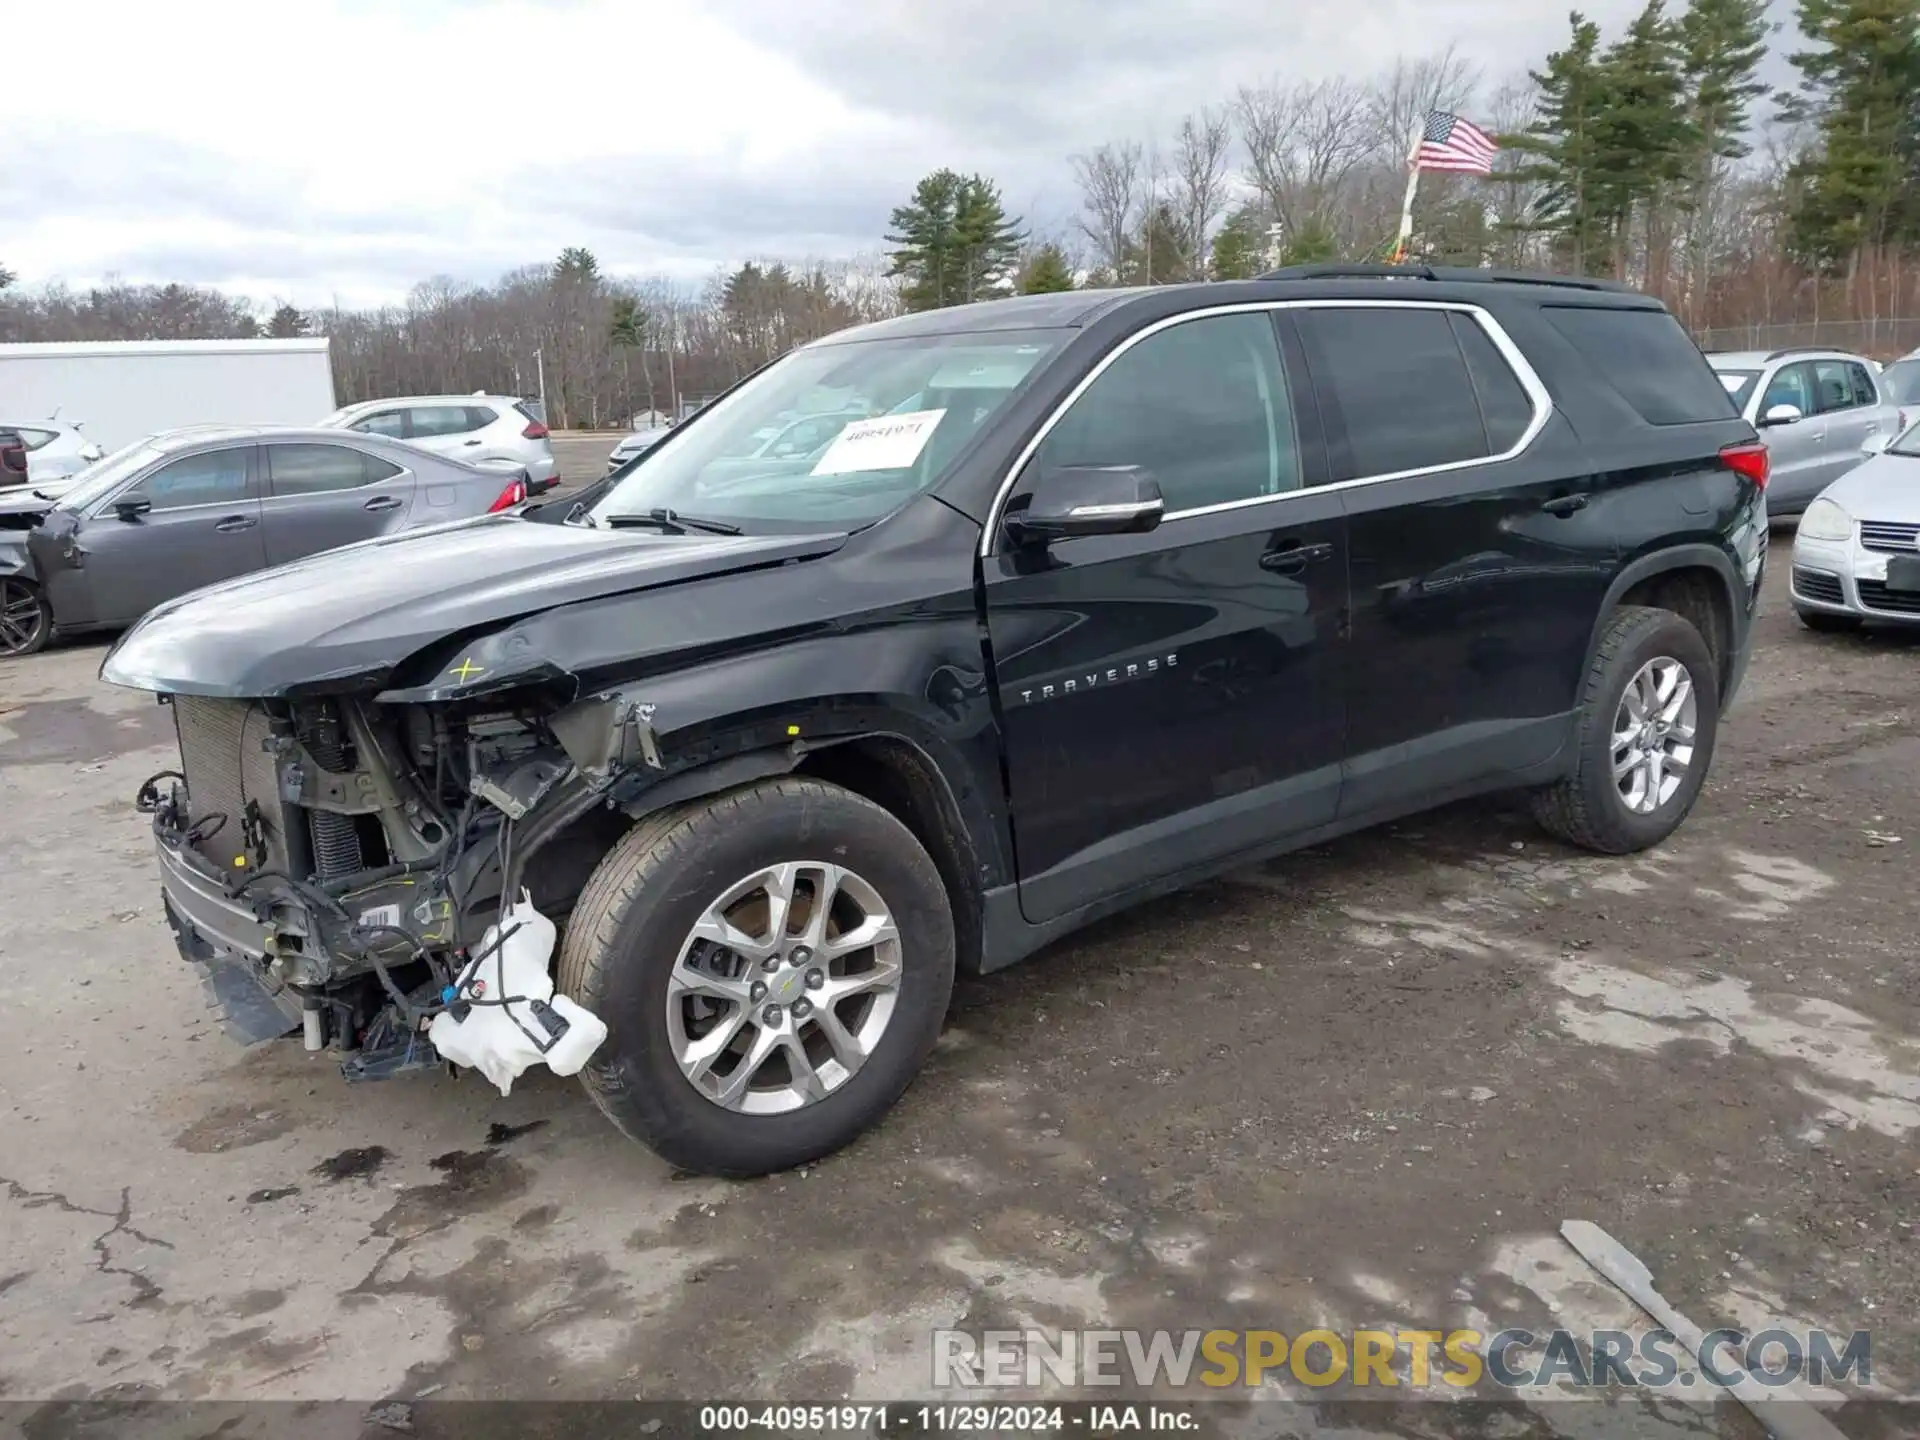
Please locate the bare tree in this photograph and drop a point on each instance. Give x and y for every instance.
(1109, 180)
(1201, 150)
(1404, 95)
(1303, 142)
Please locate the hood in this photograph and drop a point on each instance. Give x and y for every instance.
(1884, 488)
(361, 610)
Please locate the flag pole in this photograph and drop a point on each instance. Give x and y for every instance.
(1413, 185)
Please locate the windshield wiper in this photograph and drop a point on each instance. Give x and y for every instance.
(672, 522)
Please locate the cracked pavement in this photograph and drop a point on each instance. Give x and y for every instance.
(1363, 1084)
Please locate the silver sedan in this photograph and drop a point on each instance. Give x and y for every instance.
(1856, 555)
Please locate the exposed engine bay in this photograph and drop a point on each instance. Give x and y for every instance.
(358, 859)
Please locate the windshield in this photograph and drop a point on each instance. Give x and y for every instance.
(1739, 385)
(337, 419)
(1900, 382)
(101, 476)
(833, 437)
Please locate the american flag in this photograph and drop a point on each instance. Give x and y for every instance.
(1450, 143)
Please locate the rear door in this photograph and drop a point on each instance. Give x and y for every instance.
(321, 495)
(1477, 567)
(449, 429)
(1173, 698)
(203, 527)
(1849, 410)
(1796, 449)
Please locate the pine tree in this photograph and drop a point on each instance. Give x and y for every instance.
(1722, 44)
(1157, 253)
(1240, 249)
(1857, 84)
(1643, 133)
(953, 242)
(1565, 149)
(1045, 272)
(1310, 242)
(287, 323)
(988, 240)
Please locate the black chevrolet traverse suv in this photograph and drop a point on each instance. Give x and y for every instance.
(1092, 596)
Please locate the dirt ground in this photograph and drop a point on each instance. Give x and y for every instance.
(1359, 1085)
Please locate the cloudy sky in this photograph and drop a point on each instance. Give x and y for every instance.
(314, 149)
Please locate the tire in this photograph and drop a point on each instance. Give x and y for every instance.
(26, 620)
(1588, 807)
(632, 931)
(1826, 622)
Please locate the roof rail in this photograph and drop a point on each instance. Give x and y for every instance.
(1450, 274)
(1806, 350)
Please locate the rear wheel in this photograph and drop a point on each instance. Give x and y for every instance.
(1650, 714)
(1826, 621)
(773, 966)
(26, 620)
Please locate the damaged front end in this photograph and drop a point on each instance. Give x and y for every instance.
(341, 866)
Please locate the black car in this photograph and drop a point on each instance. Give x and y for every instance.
(1103, 593)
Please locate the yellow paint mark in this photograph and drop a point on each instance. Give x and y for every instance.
(466, 668)
(793, 729)
(239, 862)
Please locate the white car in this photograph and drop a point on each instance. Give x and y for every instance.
(477, 429)
(637, 443)
(54, 451)
(1856, 555)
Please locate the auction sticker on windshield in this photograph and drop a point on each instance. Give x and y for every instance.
(884, 442)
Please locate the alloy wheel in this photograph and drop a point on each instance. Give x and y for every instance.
(23, 619)
(784, 987)
(1653, 734)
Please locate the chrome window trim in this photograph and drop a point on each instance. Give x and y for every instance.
(104, 507)
(1530, 382)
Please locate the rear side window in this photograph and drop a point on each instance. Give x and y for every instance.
(479, 417)
(1864, 392)
(1504, 406)
(430, 421)
(1648, 359)
(316, 469)
(1833, 386)
(35, 439)
(1400, 387)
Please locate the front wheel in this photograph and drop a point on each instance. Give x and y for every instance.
(773, 966)
(1649, 716)
(26, 619)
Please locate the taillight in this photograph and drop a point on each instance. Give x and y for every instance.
(1748, 458)
(509, 497)
(534, 431)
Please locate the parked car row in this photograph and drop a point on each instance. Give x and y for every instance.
(43, 452)
(164, 516)
(480, 429)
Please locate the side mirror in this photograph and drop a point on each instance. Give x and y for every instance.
(1782, 415)
(1087, 500)
(1875, 443)
(132, 507)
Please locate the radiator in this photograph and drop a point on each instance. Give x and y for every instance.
(222, 757)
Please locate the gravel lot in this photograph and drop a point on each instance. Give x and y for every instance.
(1363, 1084)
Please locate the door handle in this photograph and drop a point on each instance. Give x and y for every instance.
(382, 502)
(1564, 505)
(235, 523)
(470, 442)
(1290, 557)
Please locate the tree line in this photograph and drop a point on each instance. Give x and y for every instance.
(1655, 155)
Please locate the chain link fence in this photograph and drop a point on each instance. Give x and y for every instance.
(1882, 340)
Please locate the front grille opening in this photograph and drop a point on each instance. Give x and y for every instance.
(1814, 585)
